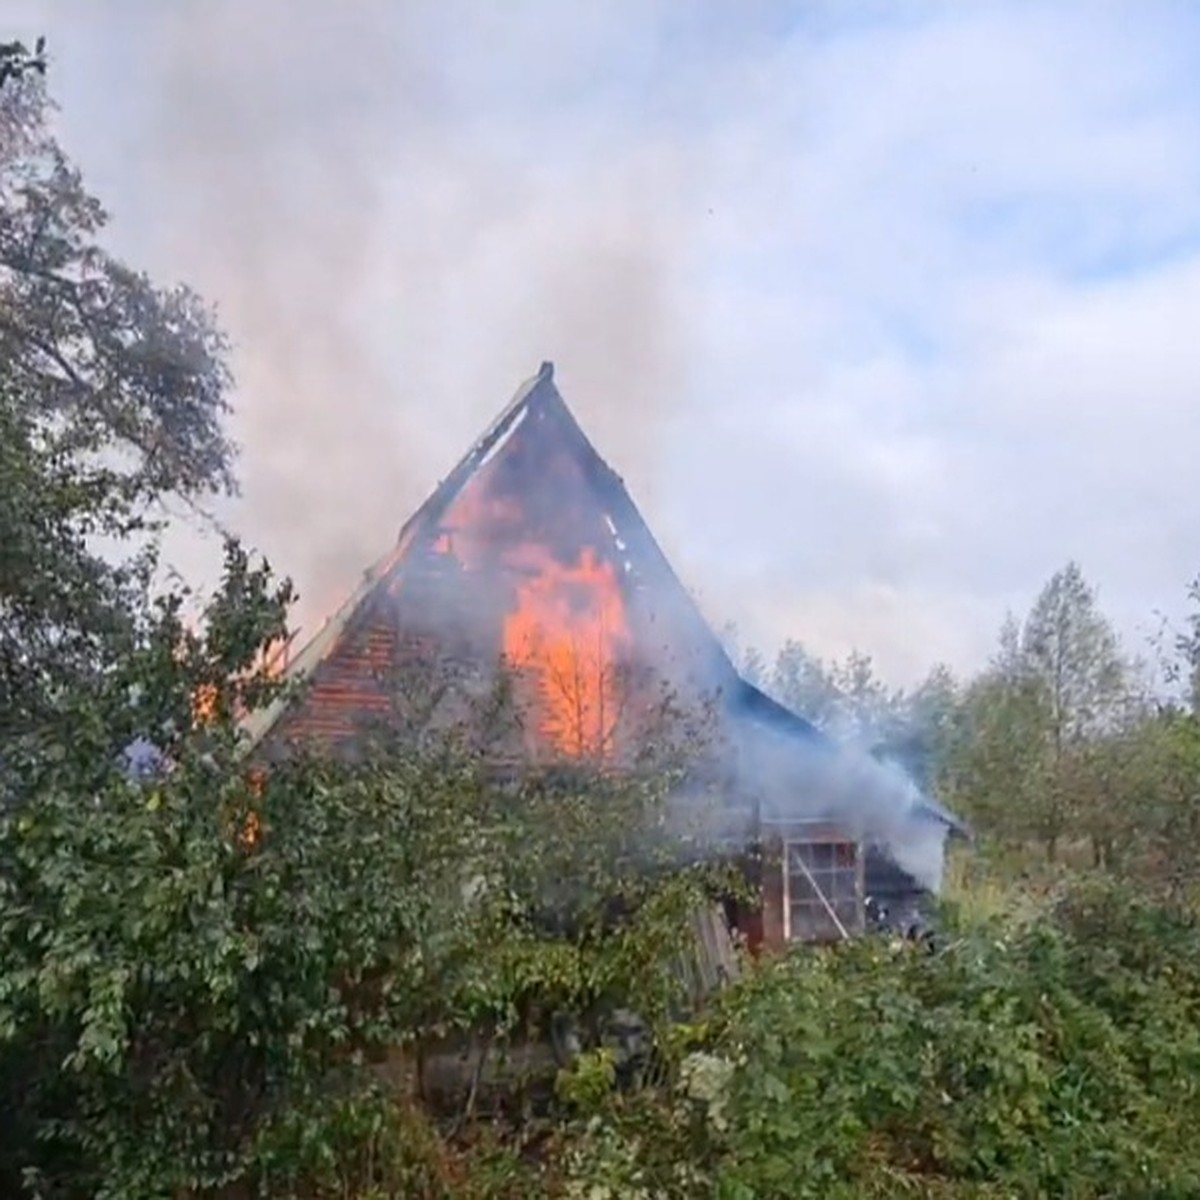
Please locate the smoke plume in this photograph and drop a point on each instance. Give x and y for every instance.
(868, 800)
(361, 191)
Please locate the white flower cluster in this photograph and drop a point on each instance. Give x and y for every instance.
(705, 1078)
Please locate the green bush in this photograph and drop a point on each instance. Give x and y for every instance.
(1058, 1056)
(182, 1013)
(1053, 1053)
(181, 1010)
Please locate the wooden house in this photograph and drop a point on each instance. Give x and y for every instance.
(531, 553)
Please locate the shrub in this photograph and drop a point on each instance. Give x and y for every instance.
(1052, 1058)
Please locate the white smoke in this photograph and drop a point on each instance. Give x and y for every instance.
(865, 799)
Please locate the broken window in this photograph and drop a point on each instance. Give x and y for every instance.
(822, 890)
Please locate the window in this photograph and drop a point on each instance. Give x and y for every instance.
(818, 877)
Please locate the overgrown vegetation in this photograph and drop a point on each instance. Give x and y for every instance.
(215, 985)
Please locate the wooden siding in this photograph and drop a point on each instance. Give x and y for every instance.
(351, 686)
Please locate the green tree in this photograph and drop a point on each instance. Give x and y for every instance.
(925, 727)
(991, 769)
(1168, 803)
(1187, 649)
(800, 680)
(1052, 741)
(1071, 655)
(112, 399)
(1070, 648)
(868, 709)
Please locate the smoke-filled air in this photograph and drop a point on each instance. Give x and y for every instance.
(818, 366)
(599, 600)
(390, 261)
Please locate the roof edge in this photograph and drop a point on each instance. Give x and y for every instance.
(258, 724)
(753, 704)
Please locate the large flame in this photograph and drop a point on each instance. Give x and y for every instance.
(567, 631)
(548, 595)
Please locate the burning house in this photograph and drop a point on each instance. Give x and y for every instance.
(531, 553)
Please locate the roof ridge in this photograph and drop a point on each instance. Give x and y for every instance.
(523, 394)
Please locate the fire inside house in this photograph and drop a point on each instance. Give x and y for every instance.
(531, 553)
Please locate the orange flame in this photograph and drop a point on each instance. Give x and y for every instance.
(478, 522)
(251, 832)
(567, 631)
(274, 658)
(204, 704)
(272, 661)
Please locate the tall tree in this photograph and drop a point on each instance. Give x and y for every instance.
(869, 711)
(1071, 654)
(1042, 750)
(924, 727)
(992, 765)
(112, 399)
(1069, 646)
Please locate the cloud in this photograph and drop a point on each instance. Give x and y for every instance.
(882, 314)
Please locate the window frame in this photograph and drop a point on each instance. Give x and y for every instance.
(852, 920)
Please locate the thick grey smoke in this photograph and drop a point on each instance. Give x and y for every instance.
(389, 257)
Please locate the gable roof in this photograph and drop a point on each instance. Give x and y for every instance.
(535, 428)
(536, 451)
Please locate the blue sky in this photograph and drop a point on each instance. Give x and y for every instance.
(884, 311)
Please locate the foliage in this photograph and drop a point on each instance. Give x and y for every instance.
(803, 682)
(846, 698)
(212, 1011)
(1054, 1056)
(183, 1007)
(1187, 645)
(1057, 744)
(990, 769)
(112, 395)
(1049, 744)
(174, 1000)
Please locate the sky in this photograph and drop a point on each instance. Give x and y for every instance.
(884, 311)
